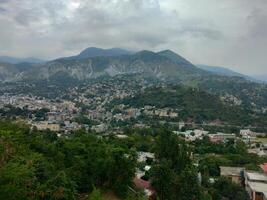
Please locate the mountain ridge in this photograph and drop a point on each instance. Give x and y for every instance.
(91, 52)
(162, 65)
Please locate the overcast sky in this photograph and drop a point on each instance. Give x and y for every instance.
(230, 33)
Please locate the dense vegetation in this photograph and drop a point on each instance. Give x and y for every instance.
(41, 166)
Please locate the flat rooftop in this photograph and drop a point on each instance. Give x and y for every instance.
(231, 171)
(256, 176)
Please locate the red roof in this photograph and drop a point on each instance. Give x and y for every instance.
(264, 167)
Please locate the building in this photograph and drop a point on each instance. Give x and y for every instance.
(144, 156)
(256, 185)
(100, 128)
(47, 125)
(248, 132)
(221, 137)
(121, 136)
(192, 135)
(233, 173)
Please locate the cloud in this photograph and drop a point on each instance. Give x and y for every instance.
(228, 32)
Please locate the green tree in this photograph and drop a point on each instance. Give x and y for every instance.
(95, 195)
(190, 187)
(162, 179)
(17, 181)
(176, 151)
(225, 188)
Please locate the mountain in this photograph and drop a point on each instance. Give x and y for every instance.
(166, 66)
(220, 70)
(13, 60)
(147, 63)
(92, 52)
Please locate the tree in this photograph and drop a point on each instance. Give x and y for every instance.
(209, 165)
(58, 187)
(170, 148)
(42, 166)
(16, 181)
(121, 170)
(162, 179)
(190, 187)
(224, 188)
(95, 195)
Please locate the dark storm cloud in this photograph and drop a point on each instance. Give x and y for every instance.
(229, 32)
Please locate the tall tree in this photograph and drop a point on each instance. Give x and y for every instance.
(190, 187)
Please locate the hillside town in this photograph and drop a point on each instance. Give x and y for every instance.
(105, 109)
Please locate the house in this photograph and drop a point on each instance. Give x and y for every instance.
(256, 185)
(233, 173)
(144, 156)
(259, 151)
(121, 136)
(248, 132)
(221, 137)
(192, 135)
(47, 125)
(100, 128)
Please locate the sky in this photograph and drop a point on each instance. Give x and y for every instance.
(231, 33)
